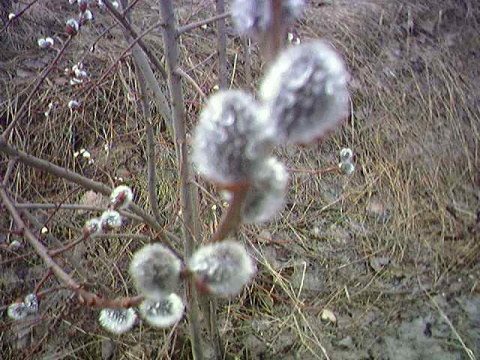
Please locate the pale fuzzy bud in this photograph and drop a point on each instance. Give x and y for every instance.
(72, 2)
(73, 104)
(117, 321)
(11, 16)
(254, 17)
(15, 245)
(266, 195)
(164, 312)
(92, 227)
(31, 303)
(230, 138)
(346, 154)
(72, 27)
(78, 71)
(155, 270)
(75, 81)
(121, 197)
(87, 16)
(347, 167)
(222, 268)
(305, 92)
(110, 219)
(116, 4)
(45, 43)
(17, 311)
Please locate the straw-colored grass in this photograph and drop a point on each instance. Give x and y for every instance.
(411, 206)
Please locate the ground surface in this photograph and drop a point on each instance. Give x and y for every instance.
(380, 265)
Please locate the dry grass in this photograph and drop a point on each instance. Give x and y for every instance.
(415, 131)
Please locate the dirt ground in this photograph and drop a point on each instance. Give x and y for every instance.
(381, 265)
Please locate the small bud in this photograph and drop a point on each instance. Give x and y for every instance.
(92, 227)
(223, 268)
(31, 303)
(17, 311)
(72, 2)
(346, 154)
(116, 5)
(87, 16)
(44, 230)
(110, 219)
(121, 197)
(305, 92)
(163, 313)
(77, 71)
(75, 81)
(72, 27)
(155, 270)
(230, 138)
(45, 43)
(15, 245)
(117, 321)
(266, 195)
(73, 104)
(347, 168)
(11, 16)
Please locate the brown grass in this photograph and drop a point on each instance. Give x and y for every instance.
(415, 131)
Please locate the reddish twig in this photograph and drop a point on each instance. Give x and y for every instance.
(21, 112)
(42, 281)
(233, 217)
(85, 297)
(316, 172)
(189, 27)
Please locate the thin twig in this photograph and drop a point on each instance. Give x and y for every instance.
(18, 15)
(8, 172)
(153, 59)
(83, 181)
(85, 296)
(144, 75)
(222, 47)
(21, 112)
(233, 217)
(189, 27)
(188, 78)
(188, 193)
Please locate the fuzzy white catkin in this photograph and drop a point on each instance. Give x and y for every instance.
(224, 268)
(121, 197)
(163, 313)
(230, 138)
(117, 321)
(266, 196)
(110, 219)
(155, 270)
(253, 17)
(17, 311)
(305, 92)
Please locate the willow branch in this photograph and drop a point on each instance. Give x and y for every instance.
(153, 59)
(192, 26)
(85, 296)
(188, 195)
(80, 180)
(222, 46)
(232, 219)
(23, 109)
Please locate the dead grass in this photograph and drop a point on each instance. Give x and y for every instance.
(415, 131)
